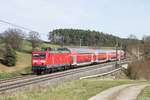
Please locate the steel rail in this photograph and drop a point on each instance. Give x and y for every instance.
(16, 78)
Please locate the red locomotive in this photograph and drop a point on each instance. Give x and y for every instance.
(47, 61)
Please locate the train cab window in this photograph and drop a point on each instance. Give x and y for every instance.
(35, 55)
(42, 56)
(39, 55)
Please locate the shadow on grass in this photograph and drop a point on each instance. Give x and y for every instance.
(3, 62)
(27, 71)
(27, 51)
(25, 74)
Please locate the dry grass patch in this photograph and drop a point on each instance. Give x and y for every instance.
(139, 69)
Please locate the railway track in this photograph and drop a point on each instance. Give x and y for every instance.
(5, 86)
(16, 78)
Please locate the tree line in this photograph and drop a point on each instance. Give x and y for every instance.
(83, 37)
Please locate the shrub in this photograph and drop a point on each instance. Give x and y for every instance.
(139, 69)
(10, 56)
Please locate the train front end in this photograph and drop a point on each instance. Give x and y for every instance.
(39, 61)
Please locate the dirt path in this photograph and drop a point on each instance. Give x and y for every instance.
(122, 92)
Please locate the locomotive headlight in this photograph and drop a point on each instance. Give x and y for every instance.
(35, 61)
(43, 61)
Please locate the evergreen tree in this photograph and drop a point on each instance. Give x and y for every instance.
(10, 56)
(87, 37)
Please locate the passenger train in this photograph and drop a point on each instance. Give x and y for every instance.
(65, 58)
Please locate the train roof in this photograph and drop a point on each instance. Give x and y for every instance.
(80, 50)
(85, 50)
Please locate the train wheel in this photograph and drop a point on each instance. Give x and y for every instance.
(38, 72)
(46, 72)
(43, 72)
(64, 68)
(50, 70)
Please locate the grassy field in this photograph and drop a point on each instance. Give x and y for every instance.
(8, 75)
(72, 90)
(145, 94)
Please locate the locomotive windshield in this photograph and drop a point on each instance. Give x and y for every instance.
(39, 55)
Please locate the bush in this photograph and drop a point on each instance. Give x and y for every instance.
(139, 69)
(10, 56)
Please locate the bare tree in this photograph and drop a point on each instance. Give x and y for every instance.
(1, 40)
(1, 37)
(146, 46)
(34, 38)
(147, 39)
(13, 37)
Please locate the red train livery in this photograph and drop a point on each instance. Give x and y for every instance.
(47, 61)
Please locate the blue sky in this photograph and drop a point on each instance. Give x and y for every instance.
(117, 17)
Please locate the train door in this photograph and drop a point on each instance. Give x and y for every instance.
(108, 56)
(119, 55)
(96, 57)
(92, 58)
(74, 58)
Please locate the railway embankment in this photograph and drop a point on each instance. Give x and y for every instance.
(54, 78)
(30, 82)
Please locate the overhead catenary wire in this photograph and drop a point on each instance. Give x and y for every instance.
(20, 27)
(16, 25)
